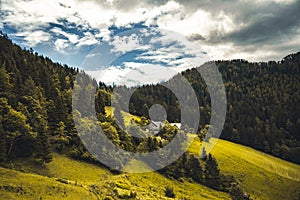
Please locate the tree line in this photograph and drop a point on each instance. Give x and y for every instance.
(263, 103)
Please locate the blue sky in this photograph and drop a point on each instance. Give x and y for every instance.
(71, 31)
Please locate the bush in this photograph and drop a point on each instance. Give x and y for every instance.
(169, 192)
(236, 193)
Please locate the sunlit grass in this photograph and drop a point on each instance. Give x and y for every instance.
(261, 175)
(70, 179)
(18, 185)
(127, 116)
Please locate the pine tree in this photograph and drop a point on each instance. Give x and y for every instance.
(194, 169)
(212, 173)
(236, 193)
(169, 192)
(43, 151)
(59, 138)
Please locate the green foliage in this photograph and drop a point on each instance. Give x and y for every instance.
(169, 192)
(212, 173)
(237, 194)
(38, 98)
(204, 134)
(194, 169)
(65, 178)
(262, 100)
(13, 128)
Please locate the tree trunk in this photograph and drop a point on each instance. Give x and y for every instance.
(13, 141)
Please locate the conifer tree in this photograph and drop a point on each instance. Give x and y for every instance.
(212, 173)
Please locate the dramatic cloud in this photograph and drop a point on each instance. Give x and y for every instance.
(257, 30)
(269, 27)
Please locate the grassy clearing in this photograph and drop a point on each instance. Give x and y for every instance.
(259, 174)
(127, 116)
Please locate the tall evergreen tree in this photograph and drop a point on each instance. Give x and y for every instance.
(212, 173)
(194, 169)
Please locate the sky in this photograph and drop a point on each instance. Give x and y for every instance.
(72, 32)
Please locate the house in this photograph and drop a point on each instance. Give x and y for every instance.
(155, 126)
(178, 125)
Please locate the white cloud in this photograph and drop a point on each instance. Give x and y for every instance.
(147, 15)
(32, 20)
(71, 37)
(33, 38)
(276, 1)
(200, 22)
(104, 34)
(123, 44)
(133, 74)
(61, 45)
(87, 40)
(29, 15)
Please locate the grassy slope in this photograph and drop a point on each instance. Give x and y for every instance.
(82, 178)
(259, 174)
(18, 185)
(127, 116)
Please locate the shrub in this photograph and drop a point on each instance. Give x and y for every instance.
(169, 192)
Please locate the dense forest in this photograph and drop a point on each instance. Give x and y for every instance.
(263, 103)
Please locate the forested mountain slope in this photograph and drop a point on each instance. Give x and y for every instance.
(263, 103)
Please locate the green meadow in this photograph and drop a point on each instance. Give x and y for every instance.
(65, 178)
(259, 174)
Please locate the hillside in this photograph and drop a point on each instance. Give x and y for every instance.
(263, 101)
(126, 116)
(259, 174)
(65, 178)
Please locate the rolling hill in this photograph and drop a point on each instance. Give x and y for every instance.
(260, 175)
